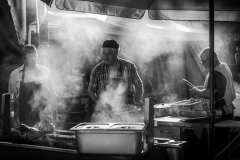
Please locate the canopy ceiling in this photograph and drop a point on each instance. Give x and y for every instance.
(144, 27)
(163, 30)
(182, 10)
(24, 13)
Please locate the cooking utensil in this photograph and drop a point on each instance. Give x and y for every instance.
(188, 83)
(162, 110)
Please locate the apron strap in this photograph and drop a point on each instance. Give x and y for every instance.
(23, 74)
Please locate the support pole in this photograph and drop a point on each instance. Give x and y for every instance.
(211, 64)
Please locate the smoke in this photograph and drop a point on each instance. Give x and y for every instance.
(170, 98)
(74, 48)
(113, 97)
(72, 51)
(77, 44)
(43, 100)
(112, 106)
(224, 41)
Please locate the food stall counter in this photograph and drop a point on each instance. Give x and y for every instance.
(184, 122)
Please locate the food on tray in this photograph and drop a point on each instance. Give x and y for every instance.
(30, 133)
(188, 108)
(46, 125)
(192, 100)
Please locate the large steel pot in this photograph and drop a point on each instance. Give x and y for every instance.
(110, 138)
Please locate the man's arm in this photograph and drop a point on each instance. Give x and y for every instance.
(92, 95)
(219, 88)
(139, 93)
(203, 93)
(92, 85)
(138, 85)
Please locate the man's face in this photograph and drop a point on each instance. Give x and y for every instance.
(109, 55)
(30, 59)
(204, 57)
(205, 63)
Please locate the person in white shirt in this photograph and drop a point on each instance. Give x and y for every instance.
(29, 86)
(223, 89)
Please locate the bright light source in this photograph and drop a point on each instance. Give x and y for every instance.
(98, 16)
(155, 26)
(67, 14)
(182, 28)
(82, 15)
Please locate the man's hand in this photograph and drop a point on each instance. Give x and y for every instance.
(194, 91)
(140, 103)
(92, 96)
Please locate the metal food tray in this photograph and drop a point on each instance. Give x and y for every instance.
(110, 138)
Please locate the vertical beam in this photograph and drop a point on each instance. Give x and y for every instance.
(149, 120)
(5, 112)
(37, 16)
(211, 64)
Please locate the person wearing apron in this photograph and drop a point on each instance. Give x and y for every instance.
(224, 87)
(25, 83)
(28, 114)
(109, 74)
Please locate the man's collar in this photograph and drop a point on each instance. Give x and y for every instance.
(22, 66)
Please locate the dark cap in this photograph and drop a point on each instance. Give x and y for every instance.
(110, 44)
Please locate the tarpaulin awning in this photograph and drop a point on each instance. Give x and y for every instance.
(184, 10)
(144, 28)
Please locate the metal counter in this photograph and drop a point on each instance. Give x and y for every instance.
(25, 151)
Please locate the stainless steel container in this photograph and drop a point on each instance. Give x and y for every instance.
(162, 110)
(110, 138)
(174, 148)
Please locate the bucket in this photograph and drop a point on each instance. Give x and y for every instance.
(175, 153)
(174, 149)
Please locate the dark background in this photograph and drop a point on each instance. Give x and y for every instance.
(10, 56)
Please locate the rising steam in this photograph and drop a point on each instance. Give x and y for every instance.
(75, 48)
(75, 45)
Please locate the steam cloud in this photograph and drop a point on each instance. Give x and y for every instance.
(75, 48)
(111, 106)
(76, 45)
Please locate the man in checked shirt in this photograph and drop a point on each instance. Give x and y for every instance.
(114, 74)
